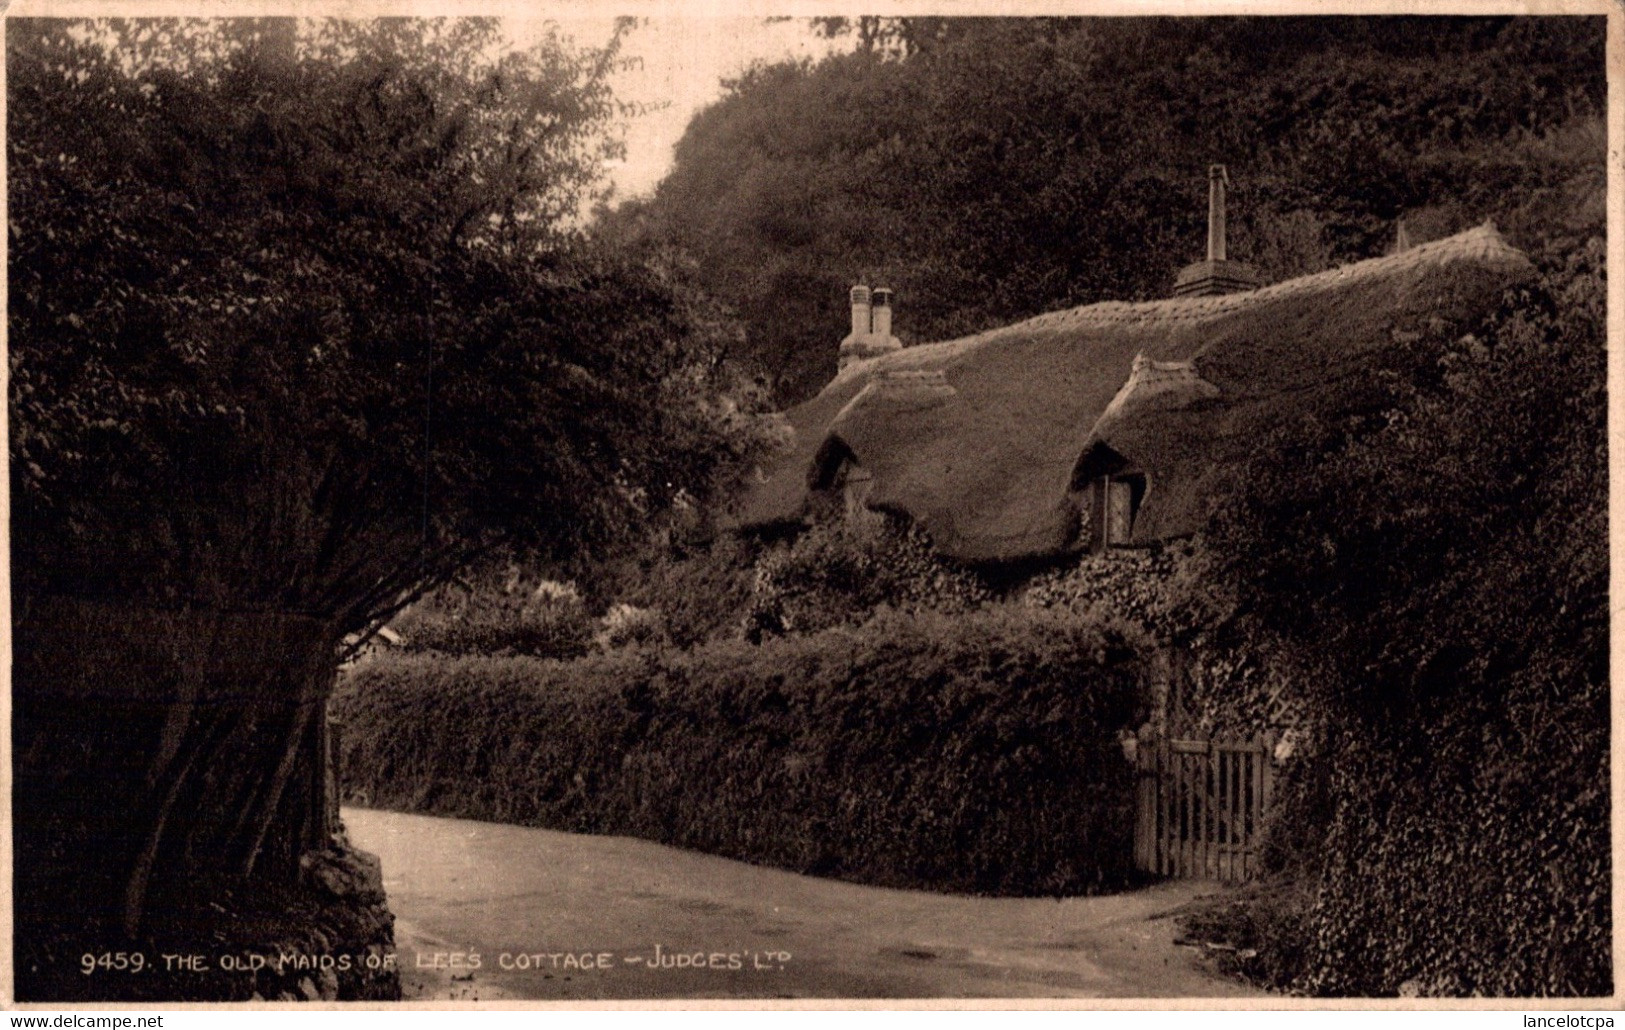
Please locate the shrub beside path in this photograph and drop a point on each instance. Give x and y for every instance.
(563, 904)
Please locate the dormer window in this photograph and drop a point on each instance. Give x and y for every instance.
(836, 475)
(1109, 493)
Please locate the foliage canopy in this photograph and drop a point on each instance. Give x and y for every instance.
(992, 169)
(301, 321)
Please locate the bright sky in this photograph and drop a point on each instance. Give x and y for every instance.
(679, 67)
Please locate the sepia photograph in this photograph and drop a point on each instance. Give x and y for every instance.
(716, 506)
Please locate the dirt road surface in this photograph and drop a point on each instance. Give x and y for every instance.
(489, 912)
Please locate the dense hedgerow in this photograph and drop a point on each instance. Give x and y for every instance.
(1458, 610)
(974, 753)
(699, 590)
(841, 570)
(1508, 892)
(837, 571)
(492, 622)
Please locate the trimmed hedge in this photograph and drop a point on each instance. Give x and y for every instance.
(970, 754)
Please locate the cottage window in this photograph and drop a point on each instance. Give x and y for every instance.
(1109, 496)
(839, 482)
(1115, 502)
(1119, 511)
(831, 466)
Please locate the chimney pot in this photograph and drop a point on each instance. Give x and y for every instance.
(860, 311)
(882, 314)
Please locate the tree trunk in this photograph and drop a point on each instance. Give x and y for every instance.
(157, 753)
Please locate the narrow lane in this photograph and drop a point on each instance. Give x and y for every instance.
(487, 911)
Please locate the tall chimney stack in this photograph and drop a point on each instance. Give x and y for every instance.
(1218, 274)
(1216, 180)
(871, 327)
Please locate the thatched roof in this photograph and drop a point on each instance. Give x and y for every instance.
(980, 439)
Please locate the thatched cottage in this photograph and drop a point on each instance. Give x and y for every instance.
(1109, 424)
(1121, 425)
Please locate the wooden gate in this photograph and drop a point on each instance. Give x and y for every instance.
(1201, 805)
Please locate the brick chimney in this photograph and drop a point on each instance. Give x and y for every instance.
(1217, 274)
(871, 327)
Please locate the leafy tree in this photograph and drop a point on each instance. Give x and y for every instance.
(299, 325)
(895, 36)
(992, 169)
